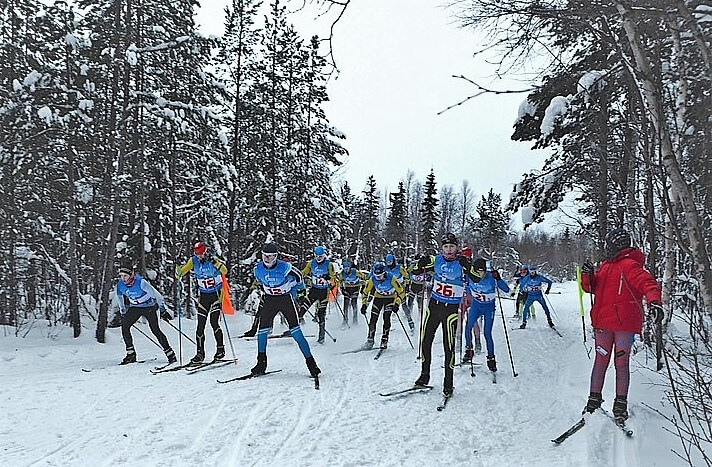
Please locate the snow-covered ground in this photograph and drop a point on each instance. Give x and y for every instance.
(55, 414)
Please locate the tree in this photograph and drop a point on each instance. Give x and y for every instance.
(429, 214)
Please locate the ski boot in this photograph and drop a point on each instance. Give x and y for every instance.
(171, 356)
(368, 345)
(594, 402)
(423, 379)
(551, 323)
(523, 325)
(467, 358)
(491, 363)
(261, 367)
(620, 409)
(219, 354)
(313, 369)
(199, 357)
(384, 343)
(447, 391)
(129, 358)
(250, 333)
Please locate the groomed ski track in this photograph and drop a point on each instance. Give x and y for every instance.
(55, 414)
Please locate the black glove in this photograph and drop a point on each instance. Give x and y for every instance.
(363, 309)
(496, 275)
(548, 290)
(165, 315)
(301, 294)
(587, 267)
(657, 313)
(464, 262)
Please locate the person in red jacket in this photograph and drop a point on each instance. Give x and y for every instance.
(619, 285)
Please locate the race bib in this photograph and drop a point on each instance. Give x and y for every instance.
(209, 282)
(448, 290)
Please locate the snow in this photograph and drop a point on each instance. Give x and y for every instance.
(528, 215)
(45, 113)
(590, 82)
(557, 106)
(56, 414)
(526, 108)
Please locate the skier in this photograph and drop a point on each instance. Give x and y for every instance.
(483, 304)
(416, 290)
(278, 279)
(209, 270)
(619, 285)
(351, 282)
(401, 274)
(388, 294)
(320, 273)
(532, 284)
(462, 313)
(449, 272)
(144, 300)
(519, 275)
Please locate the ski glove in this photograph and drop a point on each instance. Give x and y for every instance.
(548, 290)
(363, 309)
(496, 275)
(164, 313)
(464, 262)
(656, 311)
(396, 303)
(178, 272)
(587, 268)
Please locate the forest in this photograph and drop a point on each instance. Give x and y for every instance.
(126, 136)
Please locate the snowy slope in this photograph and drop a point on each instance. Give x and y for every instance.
(54, 414)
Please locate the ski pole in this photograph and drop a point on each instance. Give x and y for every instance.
(147, 336)
(181, 332)
(227, 331)
(403, 326)
(583, 320)
(179, 296)
(506, 333)
(325, 330)
(422, 312)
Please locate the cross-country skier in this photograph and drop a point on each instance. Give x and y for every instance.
(483, 304)
(416, 290)
(532, 285)
(619, 285)
(144, 300)
(351, 283)
(401, 273)
(278, 278)
(449, 272)
(388, 293)
(321, 275)
(208, 270)
(521, 272)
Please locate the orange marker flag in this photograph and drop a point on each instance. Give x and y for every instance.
(227, 307)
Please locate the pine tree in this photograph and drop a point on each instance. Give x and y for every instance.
(429, 215)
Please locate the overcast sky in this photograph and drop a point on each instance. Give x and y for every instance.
(396, 61)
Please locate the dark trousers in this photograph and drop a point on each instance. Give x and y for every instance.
(132, 315)
(385, 304)
(351, 301)
(439, 314)
(415, 294)
(317, 296)
(209, 305)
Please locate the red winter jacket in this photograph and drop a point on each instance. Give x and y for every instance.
(619, 286)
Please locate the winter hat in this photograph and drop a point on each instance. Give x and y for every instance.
(616, 240)
(467, 252)
(126, 270)
(449, 239)
(319, 251)
(479, 265)
(390, 259)
(199, 248)
(270, 248)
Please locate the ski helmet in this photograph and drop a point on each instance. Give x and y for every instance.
(199, 248)
(449, 239)
(319, 251)
(467, 252)
(390, 259)
(616, 240)
(532, 270)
